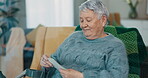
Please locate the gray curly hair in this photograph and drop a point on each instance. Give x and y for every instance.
(95, 5)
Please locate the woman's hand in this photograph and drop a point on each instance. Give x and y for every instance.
(70, 73)
(45, 62)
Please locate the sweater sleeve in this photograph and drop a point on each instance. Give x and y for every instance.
(116, 65)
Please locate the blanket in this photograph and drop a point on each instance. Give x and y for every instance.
(12, 63)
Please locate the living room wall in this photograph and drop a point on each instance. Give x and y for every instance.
(77, 3)
(21, 16)
(123, 8)
(120, 6)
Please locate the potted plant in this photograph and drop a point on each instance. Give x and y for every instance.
(133, 13)
(8, 10)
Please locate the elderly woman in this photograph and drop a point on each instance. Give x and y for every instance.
(90, 53)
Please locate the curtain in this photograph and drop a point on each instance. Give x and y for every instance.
(49, 13)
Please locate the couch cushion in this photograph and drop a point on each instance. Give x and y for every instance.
(31, 35)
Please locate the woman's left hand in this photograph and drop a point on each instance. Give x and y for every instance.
(70, 73)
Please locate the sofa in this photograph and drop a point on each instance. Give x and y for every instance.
(136, 49)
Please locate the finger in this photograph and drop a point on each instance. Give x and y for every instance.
(44, 62)
(42, 58)
(63, 71)
(62, 75)
(45, 65)
(70, 69)
(41, 61)
(49, 63)
(45, 57)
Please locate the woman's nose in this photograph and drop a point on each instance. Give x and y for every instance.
(84, 25)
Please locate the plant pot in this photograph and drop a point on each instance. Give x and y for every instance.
(133, 13)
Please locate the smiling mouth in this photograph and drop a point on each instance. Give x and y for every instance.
(86, 29)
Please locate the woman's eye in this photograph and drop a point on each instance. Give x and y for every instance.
(81, 20)
(88, 20)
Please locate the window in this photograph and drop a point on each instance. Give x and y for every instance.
(49, 13)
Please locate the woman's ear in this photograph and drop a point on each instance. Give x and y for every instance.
(104, 20)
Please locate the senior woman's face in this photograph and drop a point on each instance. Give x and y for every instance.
(92, 27)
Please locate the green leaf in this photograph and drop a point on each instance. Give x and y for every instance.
(11, 22)
(7, 3)
(4, 29)
(14, 10)
(13, 2)
(12, 19)
(1, 3)
(3, 11)
(15, 20)
(3, 25)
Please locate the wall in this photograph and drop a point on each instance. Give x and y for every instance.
(21, 16)
(113, 5)
(142, 9)
(76, 11)
(123, 8)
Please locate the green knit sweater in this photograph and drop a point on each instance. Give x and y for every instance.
(100, 58)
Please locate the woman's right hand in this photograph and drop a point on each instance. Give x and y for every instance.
(45, 62)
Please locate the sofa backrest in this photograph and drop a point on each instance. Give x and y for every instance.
(49, 38)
